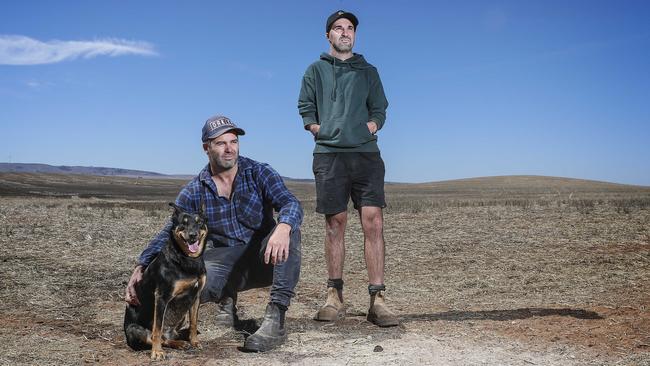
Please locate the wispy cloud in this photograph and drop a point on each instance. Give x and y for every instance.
(34, 84)
(22, 50)
(38, 84)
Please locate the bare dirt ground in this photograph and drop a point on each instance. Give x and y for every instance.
(492, 271)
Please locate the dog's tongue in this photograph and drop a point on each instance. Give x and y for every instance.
(194, 247)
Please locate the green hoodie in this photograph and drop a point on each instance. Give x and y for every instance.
(342, 96)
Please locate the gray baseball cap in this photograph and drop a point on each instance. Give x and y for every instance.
(218, 125)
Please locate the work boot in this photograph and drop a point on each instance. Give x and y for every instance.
(226, 312)
(271, 333)
(333, 309)
(379, 314)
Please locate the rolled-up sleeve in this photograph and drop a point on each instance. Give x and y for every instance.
(283, 201)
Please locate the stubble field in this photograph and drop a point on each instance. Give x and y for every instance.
(505, 270)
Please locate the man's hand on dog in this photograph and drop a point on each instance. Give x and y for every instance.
(131, 297)
(277, 249)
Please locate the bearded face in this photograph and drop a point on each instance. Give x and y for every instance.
(341, 35)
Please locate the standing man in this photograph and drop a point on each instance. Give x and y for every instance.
(342, 103)
(245, 247)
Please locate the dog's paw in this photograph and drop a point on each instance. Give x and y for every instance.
(157, 355)
(196, 344)
(178, 344)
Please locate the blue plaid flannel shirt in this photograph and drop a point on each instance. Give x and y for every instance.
(258, 192)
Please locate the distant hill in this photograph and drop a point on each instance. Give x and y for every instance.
(516, 187)
(527, 183)
(99, 171)
(65, 169)
(520, 181)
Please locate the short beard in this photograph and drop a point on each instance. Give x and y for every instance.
(225, 164)
(343, 48)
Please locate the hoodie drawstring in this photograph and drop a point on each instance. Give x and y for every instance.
(334, 77)
(356, 62)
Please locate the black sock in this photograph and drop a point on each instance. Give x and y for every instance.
(337, 283)
(373, 289)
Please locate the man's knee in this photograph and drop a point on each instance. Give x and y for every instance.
(335, 224)
(213, 290)
(295, 240)
(372, 219)
(219, 266)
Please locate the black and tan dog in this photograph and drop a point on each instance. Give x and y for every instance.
(170, 290)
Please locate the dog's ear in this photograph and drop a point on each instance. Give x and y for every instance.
(177, 211)
(202, 210)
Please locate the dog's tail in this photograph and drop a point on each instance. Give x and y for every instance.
(137, 336)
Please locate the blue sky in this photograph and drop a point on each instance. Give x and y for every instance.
(476, 88)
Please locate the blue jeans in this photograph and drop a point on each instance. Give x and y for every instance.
(234, 269)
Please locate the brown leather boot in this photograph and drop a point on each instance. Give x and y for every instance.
(379, 314)
(333, 309)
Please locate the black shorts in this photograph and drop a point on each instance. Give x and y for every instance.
(341, 176)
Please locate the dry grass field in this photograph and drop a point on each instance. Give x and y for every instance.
(490, 271)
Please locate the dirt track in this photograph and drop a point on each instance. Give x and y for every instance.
(514, 278)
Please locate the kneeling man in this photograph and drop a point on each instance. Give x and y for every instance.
(246, 248)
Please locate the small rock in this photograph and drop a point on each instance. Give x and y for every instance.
(378, 348)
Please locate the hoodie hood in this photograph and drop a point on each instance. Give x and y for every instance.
(356, 61)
